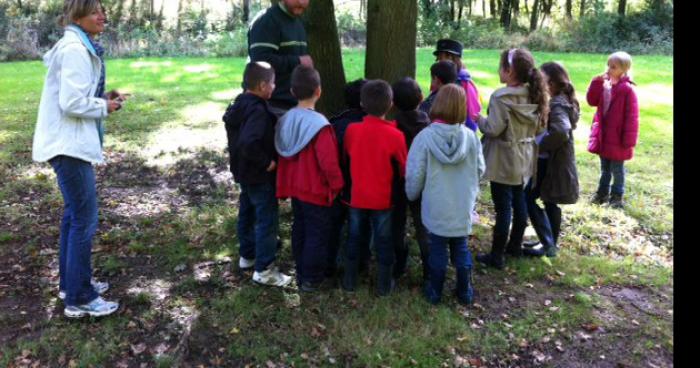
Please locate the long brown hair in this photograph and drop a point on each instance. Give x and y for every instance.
(560, 82)
(522, 62)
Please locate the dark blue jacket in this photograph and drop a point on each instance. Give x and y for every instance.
(279, 39)
(340, 124)
(250, 129)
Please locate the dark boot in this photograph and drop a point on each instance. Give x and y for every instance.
(514, 248)
(349, 282)
(385, 280)
(616, 201)
(600, 198)
(465, 291)
(551, 252)
(495, 258)
(533, 252)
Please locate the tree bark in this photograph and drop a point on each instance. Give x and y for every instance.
(621, 7)
(582, 10)
(505, 14)
(568, 9)
(246, 11)
(534, 16)
(324, 48)
(391, 39)
(492, 8)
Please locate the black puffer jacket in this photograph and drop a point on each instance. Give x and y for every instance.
(250, 129)
(560, 184)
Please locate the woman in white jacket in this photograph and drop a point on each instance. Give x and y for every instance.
(69, 136)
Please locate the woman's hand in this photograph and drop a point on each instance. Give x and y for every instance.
(116, 95)
(272, 167)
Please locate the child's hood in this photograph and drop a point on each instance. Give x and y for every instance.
(242, 106)
(447, 142)
(560, 101)
(523, 113)
(296, 129)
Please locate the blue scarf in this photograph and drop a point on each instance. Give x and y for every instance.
(100, 91)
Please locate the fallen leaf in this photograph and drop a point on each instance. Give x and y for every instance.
(138, 349)
(590, 327)
(547, 302)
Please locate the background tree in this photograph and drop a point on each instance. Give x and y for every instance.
(621, 7)
(324, 48)
(391, 39)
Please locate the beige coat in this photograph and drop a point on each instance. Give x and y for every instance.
(510, 150)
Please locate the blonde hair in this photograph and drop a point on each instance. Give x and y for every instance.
(76, 9)
(623, 59)
(449, 104)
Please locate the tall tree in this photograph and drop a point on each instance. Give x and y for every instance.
(582, 10)
(391, 39)
(483, 8)
(505, 13)
(621, 7)
(246, 11)
(534, 16)
(492, 8)
(324, 48)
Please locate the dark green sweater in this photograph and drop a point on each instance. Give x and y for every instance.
(279, 39)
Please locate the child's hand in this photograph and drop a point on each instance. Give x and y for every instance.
(113, 105)
(272, 167)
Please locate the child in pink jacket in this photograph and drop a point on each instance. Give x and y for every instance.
(615, 126)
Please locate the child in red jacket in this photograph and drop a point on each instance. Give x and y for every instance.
(376, 151)
(615, 126)
(309, 173)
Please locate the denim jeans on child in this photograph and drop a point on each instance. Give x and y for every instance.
(76, 179)
(359, 224)
(310, 235)
(258, 224)
(544, 221)
(504, 198)
(461, 260)
(339, 216)
(611, 169)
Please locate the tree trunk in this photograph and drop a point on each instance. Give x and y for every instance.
(452, 10)
(527, 11)
(568, 9)
(391, 39)
(159, 23)
(505, 14)
(582, 11)
(516, 8)
(621, 6)
(492, 8)
(246, 11)
(116, 18)
(534, 16)
(179, 16)
(324, 48)
(460, 3)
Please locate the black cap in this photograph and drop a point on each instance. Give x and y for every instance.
(447, 45)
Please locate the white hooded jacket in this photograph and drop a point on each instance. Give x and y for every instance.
(68, 111)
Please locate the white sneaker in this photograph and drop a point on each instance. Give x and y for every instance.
(272, 276)
(100, 288)
(245, 263)
(96, 308)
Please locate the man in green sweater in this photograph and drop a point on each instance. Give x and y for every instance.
(277, 36)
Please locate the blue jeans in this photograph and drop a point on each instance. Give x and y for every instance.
(611, 169)
(547, 221)
(310, 240)
(258, 224)
(339, 216)
(461, 260)
(398, 234)
(359, 227)
(76, 179)
(507, 197)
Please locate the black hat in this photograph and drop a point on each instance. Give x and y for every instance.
(447, 45)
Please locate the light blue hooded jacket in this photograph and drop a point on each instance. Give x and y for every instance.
(444, 165)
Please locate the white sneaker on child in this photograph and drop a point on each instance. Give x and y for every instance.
(100, 288)
(245, 263)
(271, 276)
(96, 308)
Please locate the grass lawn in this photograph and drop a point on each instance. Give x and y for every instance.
(168, 233)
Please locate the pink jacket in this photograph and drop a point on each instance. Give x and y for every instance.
(617, 131)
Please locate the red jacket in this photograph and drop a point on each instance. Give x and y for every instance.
(617, 131)
(374, 147)
(312, 175)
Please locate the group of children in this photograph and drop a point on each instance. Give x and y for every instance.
(364, 170)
